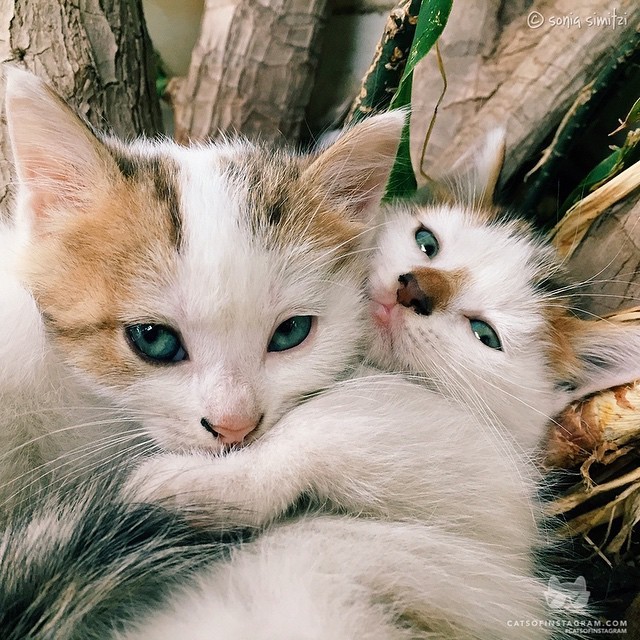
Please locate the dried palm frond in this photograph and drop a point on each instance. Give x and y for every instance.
(574, 225)
(600, 435)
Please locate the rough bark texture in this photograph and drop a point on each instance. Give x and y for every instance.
(251, 70)
(95, 53)
(465, 45)
(511, 74)
(607, 261)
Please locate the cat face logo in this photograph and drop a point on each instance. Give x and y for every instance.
(570, 596)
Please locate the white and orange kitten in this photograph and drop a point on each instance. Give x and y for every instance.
(155, 295)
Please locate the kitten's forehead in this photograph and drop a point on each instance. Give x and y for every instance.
(252, 239)
(277, 201)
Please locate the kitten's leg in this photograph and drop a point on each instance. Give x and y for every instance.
(247, 487)
(256, 484)
(443, 585)
(335, 447)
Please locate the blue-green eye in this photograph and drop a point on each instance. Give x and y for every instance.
(427, 242)
(486, 334)
(290, 333)
(156, 342)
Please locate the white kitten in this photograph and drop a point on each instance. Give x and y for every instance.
(207, 291)
(471, 302)
(200, 291)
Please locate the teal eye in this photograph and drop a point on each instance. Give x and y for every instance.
(427, 242)
(156, 342)
(290, 333)
(486, 334)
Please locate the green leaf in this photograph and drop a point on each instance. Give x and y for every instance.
(431, 22)
(633, 117)
(161, 85)
(622, 157)
(162, 77)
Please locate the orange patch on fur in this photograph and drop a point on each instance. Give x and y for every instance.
(440, 286)
(328, 226)
(563, 330)
(81, 268)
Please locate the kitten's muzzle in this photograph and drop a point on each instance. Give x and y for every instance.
(410, 295)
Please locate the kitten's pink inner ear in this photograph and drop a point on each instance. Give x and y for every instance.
(476, 174)
(57, 158)
(352, 173)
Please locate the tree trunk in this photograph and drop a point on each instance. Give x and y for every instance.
(95, 53)
(251, 71)
(466, 44)
(607, 261)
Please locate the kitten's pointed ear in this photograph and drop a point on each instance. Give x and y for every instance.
(608, 355)
(476, 174)
(352, 173)
(58, 160)
(473, 179)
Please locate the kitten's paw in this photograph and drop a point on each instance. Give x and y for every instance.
(207, 490)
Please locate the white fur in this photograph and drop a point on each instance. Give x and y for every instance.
(458, 457)
(51, 426)
(226, 291)
(382, 447)
(227, 304)
(376, 445)
(348, 579)
(500, 261)
(516, 383)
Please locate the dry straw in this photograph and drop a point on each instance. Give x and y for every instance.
(570, 231)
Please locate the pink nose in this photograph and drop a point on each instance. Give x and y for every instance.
(232, 428)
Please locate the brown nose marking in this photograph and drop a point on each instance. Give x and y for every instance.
(426, 289)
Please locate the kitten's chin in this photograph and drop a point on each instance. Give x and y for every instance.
(389, 347)
(381, 348)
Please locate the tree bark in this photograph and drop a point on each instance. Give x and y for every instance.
(607, 261)
(251, 70)
(95, 53)
(511, 74)
(465, 45)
